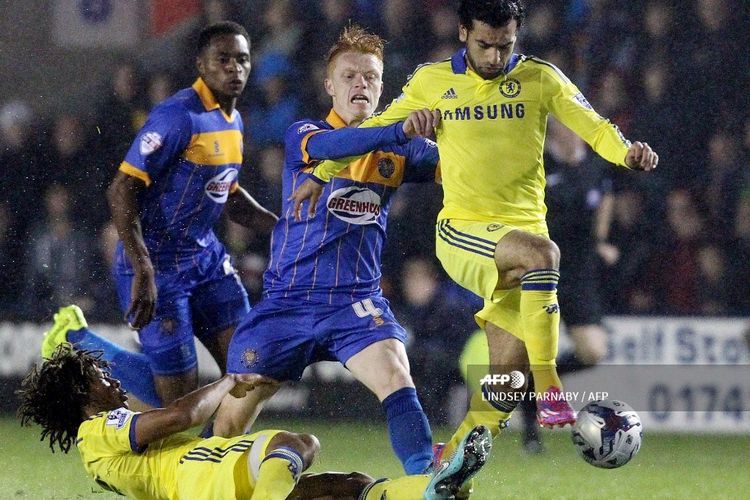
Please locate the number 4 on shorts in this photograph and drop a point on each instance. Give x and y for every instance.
(366, 308)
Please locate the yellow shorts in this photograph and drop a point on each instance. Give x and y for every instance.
(466, 249)
(217, 468)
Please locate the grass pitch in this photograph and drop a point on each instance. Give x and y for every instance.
(668, 466)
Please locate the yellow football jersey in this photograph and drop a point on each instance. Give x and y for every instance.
(178, 467)
(106, 445)
(491, 138)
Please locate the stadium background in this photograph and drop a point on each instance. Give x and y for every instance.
(80, 77)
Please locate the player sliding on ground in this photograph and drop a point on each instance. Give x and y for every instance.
(145, 455)
(142, 455)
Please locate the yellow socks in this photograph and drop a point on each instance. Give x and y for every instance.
(403, 488)
(278, 474)
(480, 412)
(540, 315)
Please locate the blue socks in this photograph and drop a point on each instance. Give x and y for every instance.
(411, 437)
(132, 369)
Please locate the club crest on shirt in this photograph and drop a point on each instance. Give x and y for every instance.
(150, 142)
(386, 167)
(168, 325)
(217, 188)
(249, 358)
(510, 87)
(355, 205)
(118, 418)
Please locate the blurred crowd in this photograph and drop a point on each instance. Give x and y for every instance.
(670, 72)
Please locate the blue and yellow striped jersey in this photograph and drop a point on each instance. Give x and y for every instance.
(335, 256)
(189, 153)
(491, 138)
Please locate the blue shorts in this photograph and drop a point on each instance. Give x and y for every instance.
(200, 301)
(281, 337)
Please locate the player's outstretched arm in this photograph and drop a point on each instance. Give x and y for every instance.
(344, 145)
(121, 195)
(419, 123)
(194, 408)
(640, 156)
(244, 210)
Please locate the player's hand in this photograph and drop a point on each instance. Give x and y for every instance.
(245, 382)
(142, 296)
(422, 123)
(308, 190)
(640, 156)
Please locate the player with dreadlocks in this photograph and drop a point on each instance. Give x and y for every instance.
(144, 455)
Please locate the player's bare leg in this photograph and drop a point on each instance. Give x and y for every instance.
(218, 346)
(236, 416)
(532, 262)
(358, 486)
(509, 354)
(331, 486)
(383, 367)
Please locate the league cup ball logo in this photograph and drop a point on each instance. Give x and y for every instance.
(150, 142)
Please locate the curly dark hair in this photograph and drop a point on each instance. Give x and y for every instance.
(221, 28)
(54, 394)
(496, 13)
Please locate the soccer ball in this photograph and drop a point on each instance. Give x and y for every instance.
(607, 433)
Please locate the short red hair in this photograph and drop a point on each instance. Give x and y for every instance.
(355, 39)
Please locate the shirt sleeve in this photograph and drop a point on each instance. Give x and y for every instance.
(411, 99)
(116, 434)
(571, 108)
(163, 138)
(423, 161)
(308, 143)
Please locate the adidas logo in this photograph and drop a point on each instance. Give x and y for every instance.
(450, 94)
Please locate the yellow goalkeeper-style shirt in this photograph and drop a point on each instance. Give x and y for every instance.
(491, 138)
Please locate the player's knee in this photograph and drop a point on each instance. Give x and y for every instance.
(525, 253)
(307, 445)
(398, 379)
(545, 255)
(358, 481)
